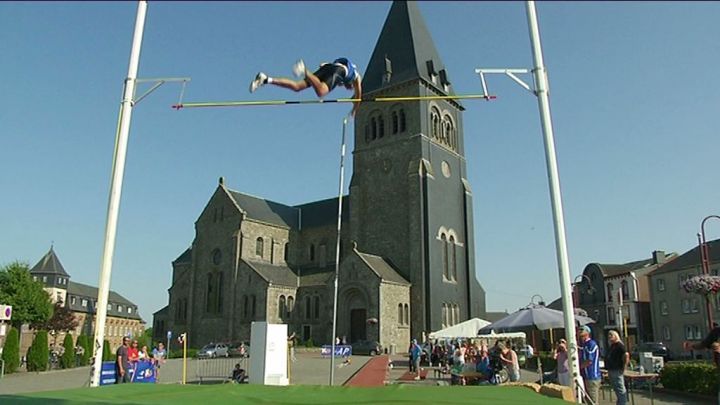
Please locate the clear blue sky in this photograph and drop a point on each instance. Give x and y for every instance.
(634, 101)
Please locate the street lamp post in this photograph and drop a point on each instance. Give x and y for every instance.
(705, 261)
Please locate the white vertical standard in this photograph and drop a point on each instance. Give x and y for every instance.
(337, 252)
(118, 169)
(541, 92)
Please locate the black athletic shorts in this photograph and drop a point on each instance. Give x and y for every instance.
(330, 74)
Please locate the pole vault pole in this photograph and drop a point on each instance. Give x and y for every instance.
(118, 169)
(541, 82)
(337, 252)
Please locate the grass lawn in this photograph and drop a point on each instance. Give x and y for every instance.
(299, 394)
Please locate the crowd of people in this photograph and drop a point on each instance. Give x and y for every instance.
(130, 356)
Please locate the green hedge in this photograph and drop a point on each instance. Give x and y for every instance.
(107, 354)
(697, 377)
(548, 363)
(177, 354)
(39, 352)
(11, 352)
(84, 342)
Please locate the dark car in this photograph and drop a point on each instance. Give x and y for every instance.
(366, 347)
(656, 348)
(241, 349)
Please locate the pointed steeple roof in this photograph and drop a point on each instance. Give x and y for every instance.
(49, 264)
(405, 48)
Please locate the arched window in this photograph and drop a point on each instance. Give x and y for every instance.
(395, 122)
(312, 252)
(317, 307)
(209, 295)
(281, 307)
(290, 305)
(453, 258)
(407, 314)
(219, 292)
(381, 125)
(367, 133)
(444, 315)
(401, 318)
(609, 292)
(285, 252)
(446, 270)
(624, 288)
(457, 314)
(373, 129)
(402, 121)
(435, 123)
(308, 308)
(259, 247)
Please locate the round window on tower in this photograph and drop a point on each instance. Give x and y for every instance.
(445, 169)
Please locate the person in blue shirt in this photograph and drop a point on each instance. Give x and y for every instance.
(330, 75)
(590, 364)
(415, 353)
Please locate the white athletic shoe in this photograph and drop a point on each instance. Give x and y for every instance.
(299, 69)
(259, 81)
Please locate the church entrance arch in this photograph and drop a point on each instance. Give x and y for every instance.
(355, 313)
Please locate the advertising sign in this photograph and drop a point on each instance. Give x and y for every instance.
(340, 350)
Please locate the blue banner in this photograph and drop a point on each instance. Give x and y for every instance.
(340, 350)
(140, 372)
(108, 373)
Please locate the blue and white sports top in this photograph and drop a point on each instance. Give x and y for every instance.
(351, 70)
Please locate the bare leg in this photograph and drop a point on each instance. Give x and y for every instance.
(321, 89)
(290, 84)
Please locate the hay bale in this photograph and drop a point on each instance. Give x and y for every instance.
(557, 391)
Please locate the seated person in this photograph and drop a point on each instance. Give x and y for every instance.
(238, 374)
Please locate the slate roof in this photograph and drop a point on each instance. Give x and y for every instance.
(316, 276)
(185, 257)
(323, 212)
(49, 264)
(274, 274)
(378, 265)
(265, 210)
(611, 270)
(163, 311)
(406, 42)
(691, 258)
(85, 291)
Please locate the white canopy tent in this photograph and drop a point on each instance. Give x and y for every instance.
(467, 329)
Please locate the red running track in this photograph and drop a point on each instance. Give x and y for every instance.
(373, 374)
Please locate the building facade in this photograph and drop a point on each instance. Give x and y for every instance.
(679, 316)
(123, 318)
(407, 250)
(617, 296)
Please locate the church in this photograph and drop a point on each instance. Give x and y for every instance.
(407, 262)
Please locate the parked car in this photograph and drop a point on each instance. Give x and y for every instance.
(656, 348)
(239, 350)
(213, 350)
(366, 347)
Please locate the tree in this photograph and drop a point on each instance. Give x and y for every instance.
(31, 304)
(84, 342)
(107, 354)
(11, 352)
(62, 320)
(38, 354)
(68, 358)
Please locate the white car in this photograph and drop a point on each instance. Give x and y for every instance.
(213, 350)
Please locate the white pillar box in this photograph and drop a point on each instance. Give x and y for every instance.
(268, 354)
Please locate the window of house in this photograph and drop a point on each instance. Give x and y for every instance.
(407, 314)
(317, 307)
(446, 270)
(373, 129)
(129, 310)
(312, 252)
(290, 305)
(661, 284)
(44, 279)
(611, 316)
(453, 259)
(686, 306)
(403, 121)
(281, 307)
(285, 253)
(72, 300)
(689, 333)
(308, 308)
(381, 127)
(663, 307)
(84, 302)
(219, 292)
(624, 289)
(401, 318)
(694, 307)
(307, 332)
(609, 292)
(119, 308)
(395, 122)
(209, 293)
(259, 247)
(444, 315)
(109, 307)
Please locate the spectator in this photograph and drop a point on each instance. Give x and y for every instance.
(123, 362)
(143, 354)
(711, 342)
(79, 353)
(590, 364)
(415, 353)
(561, 357)
(510, 359)
(616, 360)
(159, 355)
(133, 352)
(238, 374)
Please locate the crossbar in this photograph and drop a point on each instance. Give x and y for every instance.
(321, 101)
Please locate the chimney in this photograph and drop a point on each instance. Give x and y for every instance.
(658, 257)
